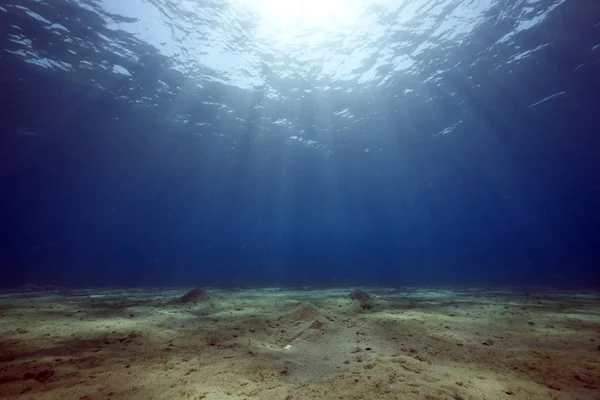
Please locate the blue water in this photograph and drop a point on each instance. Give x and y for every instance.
(232, 142)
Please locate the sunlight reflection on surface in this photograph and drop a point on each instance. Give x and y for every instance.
(276, 44)
(289, 21)
(309, 13)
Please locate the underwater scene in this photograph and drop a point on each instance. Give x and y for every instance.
(300, 199)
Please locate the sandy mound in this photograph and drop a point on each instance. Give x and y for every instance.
(306, 310)
(194, 296)
(366, 302)
(307, 322)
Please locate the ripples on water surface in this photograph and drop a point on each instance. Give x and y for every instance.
(312, 72)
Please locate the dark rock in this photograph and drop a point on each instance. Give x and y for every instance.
(28, 375)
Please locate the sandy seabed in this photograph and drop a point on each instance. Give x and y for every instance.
(300, 343)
